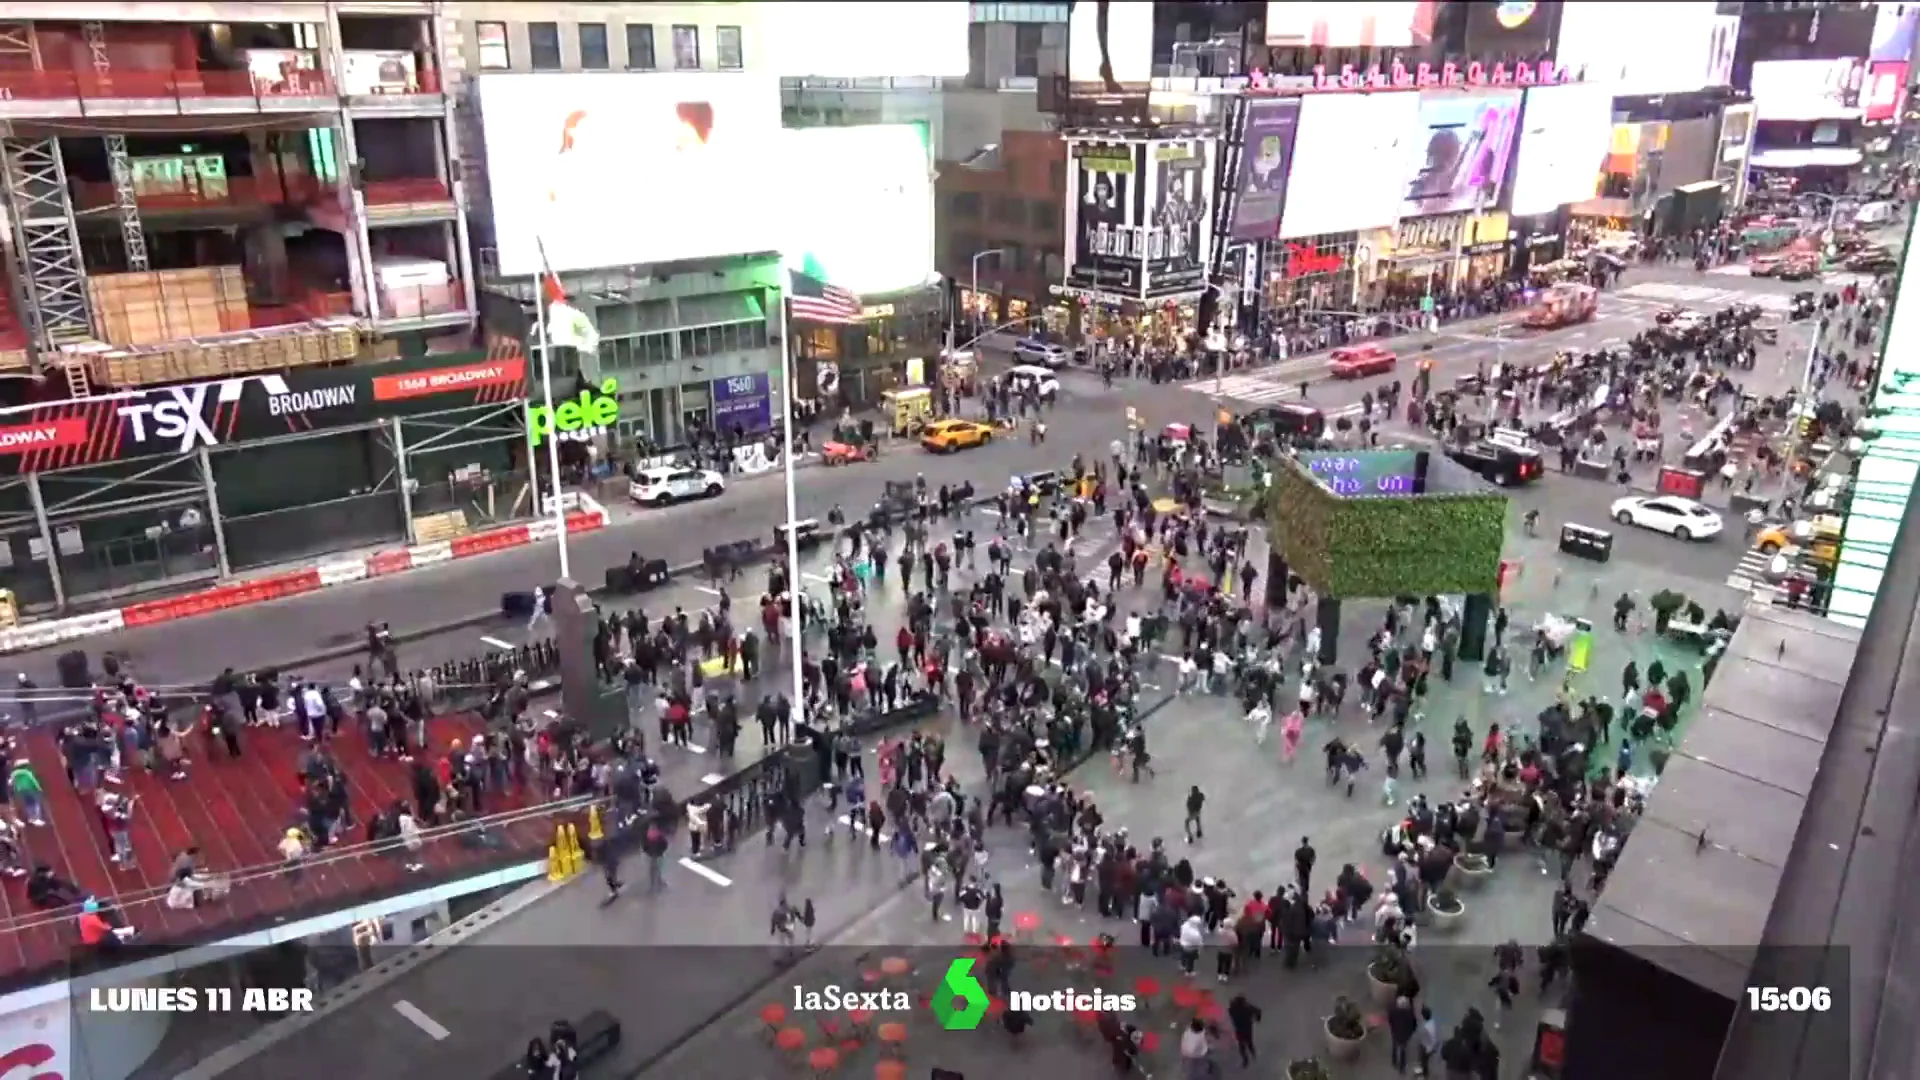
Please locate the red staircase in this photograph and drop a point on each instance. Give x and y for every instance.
(235, 811)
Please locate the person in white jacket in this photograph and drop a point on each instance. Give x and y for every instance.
(1193, 934)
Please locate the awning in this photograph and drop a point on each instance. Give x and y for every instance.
(1829, 157)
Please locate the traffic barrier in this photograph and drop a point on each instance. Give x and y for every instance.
(41, 634)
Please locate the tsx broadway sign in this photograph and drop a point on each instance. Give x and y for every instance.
(170, 420)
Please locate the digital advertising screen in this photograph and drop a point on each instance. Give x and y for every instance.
(1351, 26)
(1610, 43)
(1807, 89)
(1365, 472)
(1264, 165)
(1511, 29)
(1885, 91)
(618, 168)
(1349, 162)
(866, 228)
(864, 41)
(1893, 27)
(1565, 132)
(1725, 41)
(1109, 47)
(1458, 158)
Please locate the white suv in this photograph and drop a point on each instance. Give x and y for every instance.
(662, 486)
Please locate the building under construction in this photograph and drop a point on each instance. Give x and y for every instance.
(214, 191)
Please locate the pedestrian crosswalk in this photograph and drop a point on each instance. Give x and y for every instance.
(1669, 292)
(1750, 574)
(1266, 388)
(1836, 279)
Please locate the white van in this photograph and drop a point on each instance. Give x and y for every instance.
(1873, 213)
(1042, 382)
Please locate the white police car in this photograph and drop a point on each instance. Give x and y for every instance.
(669, 484)
(1044, 353)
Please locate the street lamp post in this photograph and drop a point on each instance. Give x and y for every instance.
(973, 290)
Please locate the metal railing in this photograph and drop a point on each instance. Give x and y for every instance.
(178, 86)
(397, 192)
(271, 190)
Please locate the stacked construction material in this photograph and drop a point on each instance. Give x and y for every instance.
(168, 305)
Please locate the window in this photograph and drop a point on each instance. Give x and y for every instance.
(1045, 217)
(1013, 259)
(640, 48)
(727, 41)
(494, 53)
(725, 338)
(593, 47)
(1008, 210)
(1026, 50)
(686, 48)
(543, 45)
(965, 204)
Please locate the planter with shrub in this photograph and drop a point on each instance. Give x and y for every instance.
(1389, 968)
(1470, 870)
(1444, 910)
(1346, 1030)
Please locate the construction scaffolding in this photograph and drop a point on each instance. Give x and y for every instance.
(132, 235)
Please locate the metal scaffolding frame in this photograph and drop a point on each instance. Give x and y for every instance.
(48, 241)
(132, 234)
(503, 423)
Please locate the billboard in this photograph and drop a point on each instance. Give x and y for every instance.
(743, 403)
(1265, 161)
(1106, 216)
(624, 168)
(828, 40)
(1564, 137)
(1610, 44)
(1808, 89)
(1737, 125)
(1893, 29)
(1349, 163)
(1458, 157)
(1885, 91)
(1180, 228)
(1109, 48)
(1347, 26)
(171, 420)
(1511, 29)
(859, 210)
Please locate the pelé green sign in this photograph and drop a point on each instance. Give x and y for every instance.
(579, 418)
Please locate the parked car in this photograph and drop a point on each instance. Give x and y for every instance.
(1500, 463)
(666, 485)
(1682, 519)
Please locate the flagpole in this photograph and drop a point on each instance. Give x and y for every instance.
(795, 639)
(552, 437)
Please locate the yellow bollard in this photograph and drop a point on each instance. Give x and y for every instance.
(594, 830)
(577, 857)
(556, 867)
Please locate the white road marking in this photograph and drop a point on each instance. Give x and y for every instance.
(709, 590)
(696, 748)
(540, 684)
(711, 779)
(707, 872)
(552, 715)
(495, 642)
(421, 1020)
(816, 578)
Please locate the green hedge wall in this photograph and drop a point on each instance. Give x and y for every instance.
(1386, 545)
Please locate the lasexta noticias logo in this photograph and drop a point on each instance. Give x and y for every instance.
(961, 1002)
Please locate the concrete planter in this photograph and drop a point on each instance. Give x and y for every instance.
(1340, 1049)
(1470, 872)
(1445, 922)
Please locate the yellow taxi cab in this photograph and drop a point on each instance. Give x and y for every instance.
(946, 436)
(1818, 538)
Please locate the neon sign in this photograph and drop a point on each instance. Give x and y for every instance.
(1303, 260)
(1422, 76)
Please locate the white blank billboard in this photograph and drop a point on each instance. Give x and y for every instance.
(1564, 135)
(855, 41)
(610, 169)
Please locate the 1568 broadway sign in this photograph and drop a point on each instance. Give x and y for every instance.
(170, 420)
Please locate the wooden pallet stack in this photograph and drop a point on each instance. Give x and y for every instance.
(277, 348)
(168, 305)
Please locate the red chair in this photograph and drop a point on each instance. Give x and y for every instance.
(1149, 1043)
(890, 1070)
(791, 1040)
(824, 1061)
(829, 1026)
(1146, 989)
(1087, 1022)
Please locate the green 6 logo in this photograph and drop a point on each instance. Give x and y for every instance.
(961, 1002)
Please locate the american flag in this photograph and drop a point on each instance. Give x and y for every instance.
(818, 301)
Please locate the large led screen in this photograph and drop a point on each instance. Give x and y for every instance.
(1349, 162)
(1109, 47)
(1458, 158)
(1885, 89)
(1611, 43)
(1893, 26)
(1565, 132)
(1807, 89)
(611, 169)
(1351, 25)
(862, 40)
(866, 224)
